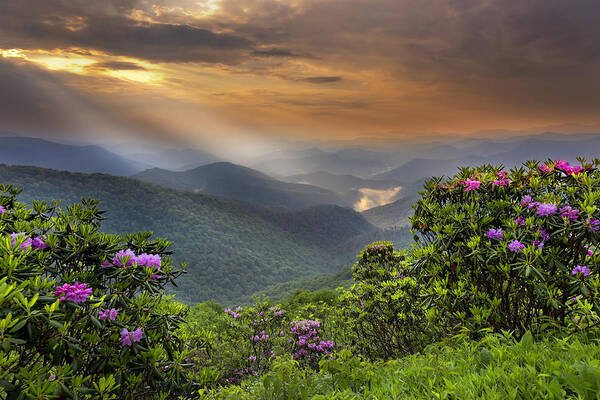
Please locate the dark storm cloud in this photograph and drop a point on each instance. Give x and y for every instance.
(274, 53)
(322, 79)
(51, 24)
(119, 65)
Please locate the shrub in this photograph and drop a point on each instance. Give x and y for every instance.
(82, 314)
(511, 250)
(384, 308)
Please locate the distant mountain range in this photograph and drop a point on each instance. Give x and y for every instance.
(175, 159)
(43, 153)
(243, 184)
(233, 249)
(345, 161)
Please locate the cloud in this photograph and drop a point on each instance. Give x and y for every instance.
(274, 53)
(376, 197)
(322, 79)
(56, 24)
(375, 65)
(119, 65)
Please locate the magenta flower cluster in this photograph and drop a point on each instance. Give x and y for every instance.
(108, 314)
(502, 179)
(515, 246)
(126, 258)
(495, 234)
(261, 337)
(581, 269)
(593, 225)
(307, 340)
(2, 210)
(37, 242)
(543, 209)
(77, 293)
(129, 338)
(564, 166)
(471, 184)
(234, 313)
(569, 213)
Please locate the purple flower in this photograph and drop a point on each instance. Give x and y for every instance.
(38, 243)
(526, 200)
(124, 258)
(471, 185)
(570, 213)
(149, 260)
(252, 358)
(129, 338)
(110, 314)
(520, 221)
(539, 244)
(15, 237)
(592, 225)
(515, 246)
(581, 269)
(52, 377)
(544, 235)
(2, 210)
(495, 234)
(105, 264)
(77, 293)
(546, 209)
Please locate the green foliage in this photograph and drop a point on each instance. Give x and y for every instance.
(384, 308)
(233, 249)
(56, 346)
(479, 280)
(497, 367)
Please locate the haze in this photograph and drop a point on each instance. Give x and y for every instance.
(249, 74)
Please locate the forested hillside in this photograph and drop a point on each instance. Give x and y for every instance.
(233, 249)
(241, 183)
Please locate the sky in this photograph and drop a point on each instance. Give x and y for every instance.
(238, 72)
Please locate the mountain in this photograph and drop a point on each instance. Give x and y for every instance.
(419, 168)
(391, 215)
(340, 183)
(175, 159)
(345, 161)
(243, 184)
(233, 249)
(43, 153)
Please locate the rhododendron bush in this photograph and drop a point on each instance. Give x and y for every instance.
(82, 313)
(511, 250)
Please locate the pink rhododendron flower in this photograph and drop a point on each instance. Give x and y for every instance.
(38, 243)
(526, 200)
(495, 234)
(570, 213)
(546, 209)
(129, 338)
(124, 258)
(108, 314)
(592, 225)
(149, 260)
(471, 185)
(515, 246)
(77, 293)
(581, 269)
(520, 221)
(16, 236)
